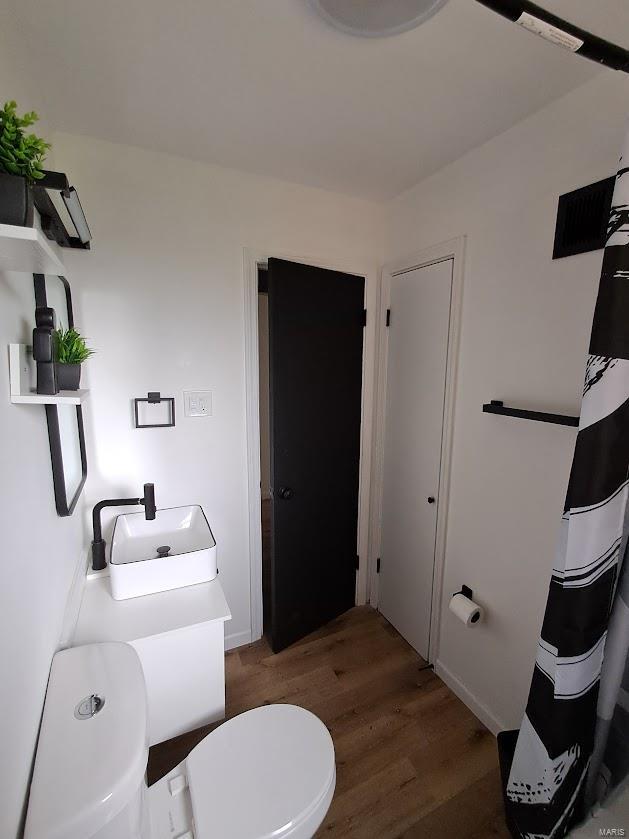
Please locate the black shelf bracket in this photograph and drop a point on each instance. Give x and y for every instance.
(497, 407)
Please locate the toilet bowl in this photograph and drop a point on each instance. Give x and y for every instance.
(269, 772)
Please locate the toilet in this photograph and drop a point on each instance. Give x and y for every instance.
(269, 772)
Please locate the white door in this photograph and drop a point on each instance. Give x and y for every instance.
(416, 375)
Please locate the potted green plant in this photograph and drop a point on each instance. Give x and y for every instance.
(21, 165)
(70, 352)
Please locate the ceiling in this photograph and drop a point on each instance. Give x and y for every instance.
(267, 87)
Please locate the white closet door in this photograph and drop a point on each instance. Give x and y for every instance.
(416, 373)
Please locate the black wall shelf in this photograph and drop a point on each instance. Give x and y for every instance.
(497, 407)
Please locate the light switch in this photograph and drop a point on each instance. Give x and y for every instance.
(197, 403)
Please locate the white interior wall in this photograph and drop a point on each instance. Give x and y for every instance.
(162, 298)
(40, 551)
(524, 337)
(263, 364)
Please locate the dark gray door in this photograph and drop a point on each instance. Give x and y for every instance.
(315, 361)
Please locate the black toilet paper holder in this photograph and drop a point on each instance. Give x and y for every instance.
(466, 591)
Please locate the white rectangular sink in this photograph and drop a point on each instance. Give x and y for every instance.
(176, 549)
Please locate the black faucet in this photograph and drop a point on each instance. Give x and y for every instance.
(98, 545)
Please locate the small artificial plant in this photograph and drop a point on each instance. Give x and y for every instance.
(20, 153)
(70, 347)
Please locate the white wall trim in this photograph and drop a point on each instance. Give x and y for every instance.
(451, 249)
(483, 713)
(251, 259)
(237, 639)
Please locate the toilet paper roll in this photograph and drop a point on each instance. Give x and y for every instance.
(466, 610)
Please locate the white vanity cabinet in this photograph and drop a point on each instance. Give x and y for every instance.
(179, 636)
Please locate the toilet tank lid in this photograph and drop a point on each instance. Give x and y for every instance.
(93, 744)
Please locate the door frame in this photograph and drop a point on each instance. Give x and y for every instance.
(252, 259)
(451, 249)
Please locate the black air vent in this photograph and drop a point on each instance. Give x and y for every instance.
(582, 218)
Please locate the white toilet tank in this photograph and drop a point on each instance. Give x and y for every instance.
(89, 776)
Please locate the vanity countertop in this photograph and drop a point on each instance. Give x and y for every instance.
(101, 618)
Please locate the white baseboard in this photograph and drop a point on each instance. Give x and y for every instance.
(237, 639)
(478, 708)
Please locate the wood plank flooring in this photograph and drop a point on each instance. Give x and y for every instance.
(412, 760)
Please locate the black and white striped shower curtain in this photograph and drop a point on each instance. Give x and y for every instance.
(573, 746)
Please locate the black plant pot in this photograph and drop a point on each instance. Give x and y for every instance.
(16, 201)
(68, 376)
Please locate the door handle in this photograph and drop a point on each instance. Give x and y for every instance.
(286, 493)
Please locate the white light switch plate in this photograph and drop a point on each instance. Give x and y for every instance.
(197, 403)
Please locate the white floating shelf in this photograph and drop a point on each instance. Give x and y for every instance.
(64, 397)
(21, 374)
(27, 249)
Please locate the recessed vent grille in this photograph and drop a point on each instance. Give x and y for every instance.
(582, 217)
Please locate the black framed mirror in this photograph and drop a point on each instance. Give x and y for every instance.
(65, 422)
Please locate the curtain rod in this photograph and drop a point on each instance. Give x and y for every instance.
(563, 33)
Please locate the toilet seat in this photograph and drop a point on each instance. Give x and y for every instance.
(267, 773)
